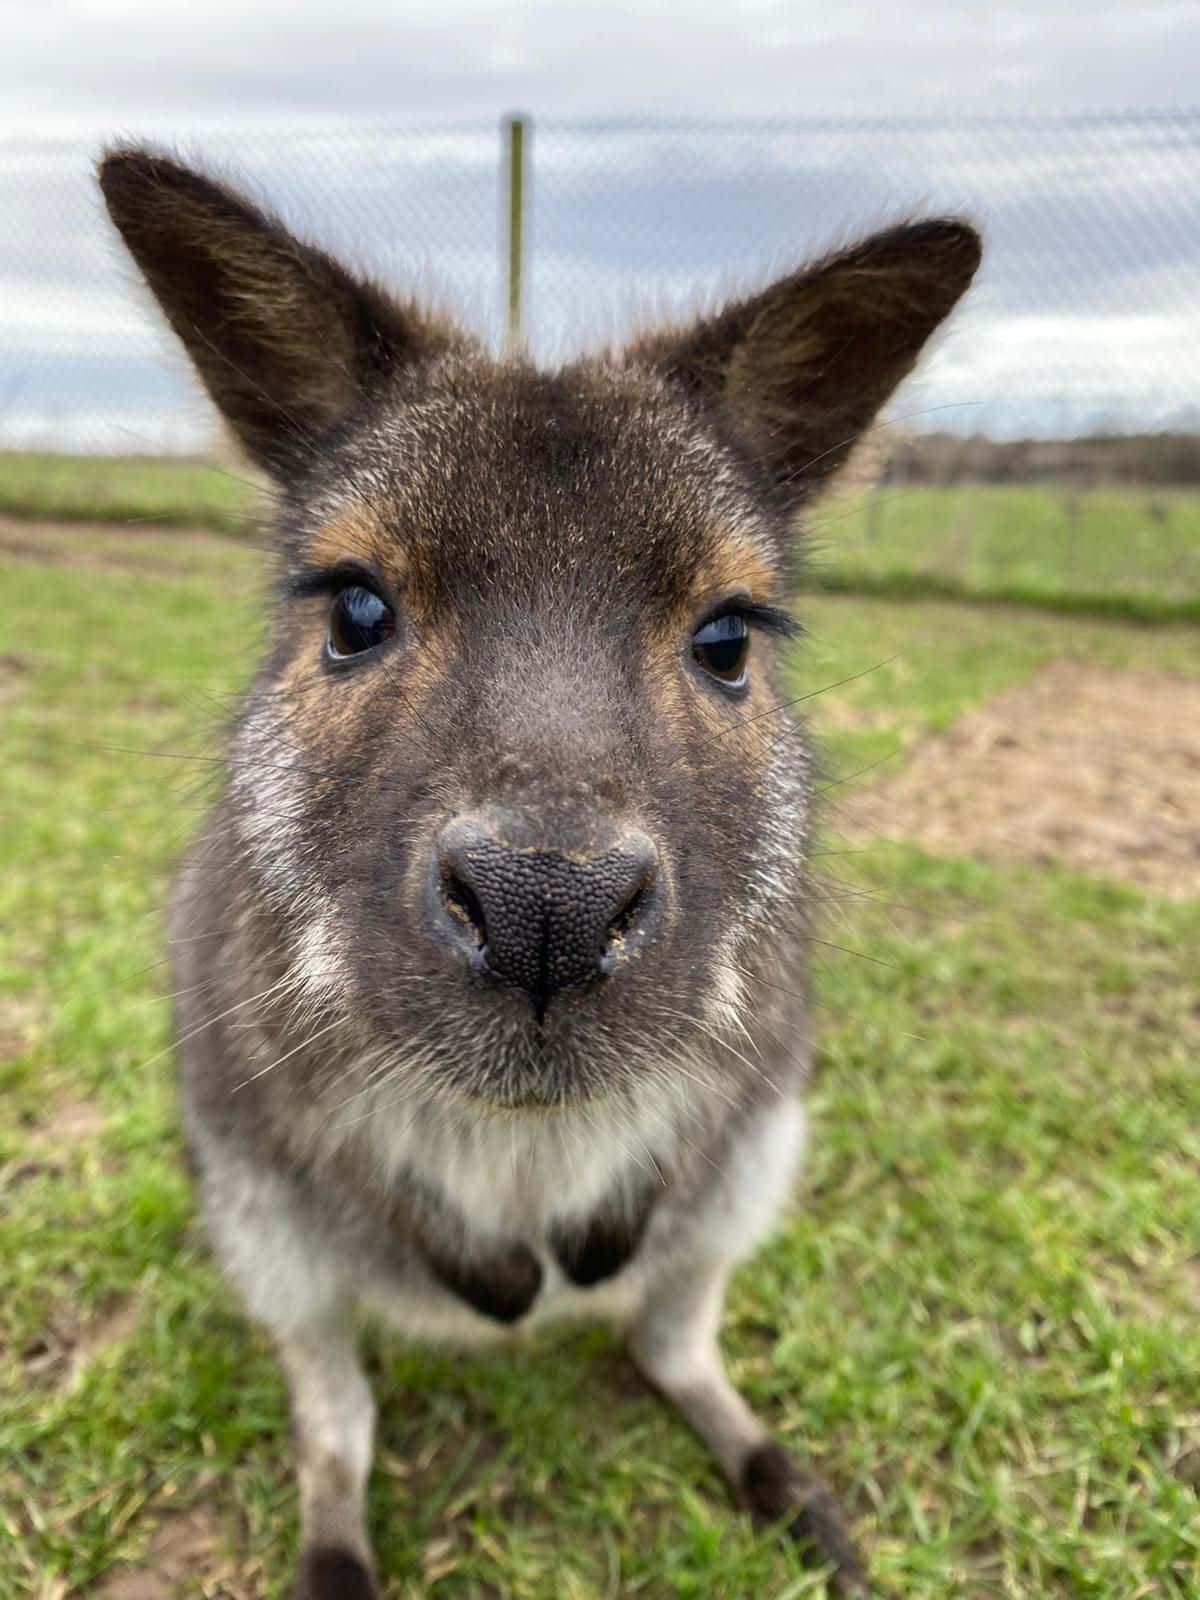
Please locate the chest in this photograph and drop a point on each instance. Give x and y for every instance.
(531, 1221)
(507, 1282)
(482, 1297)
(522, 1253)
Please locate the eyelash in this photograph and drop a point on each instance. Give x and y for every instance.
(332, 580)
(766, 619)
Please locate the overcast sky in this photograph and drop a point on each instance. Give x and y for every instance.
(1088, 308)
(79, 65)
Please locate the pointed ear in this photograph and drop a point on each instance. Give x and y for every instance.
(801, 369)
(287, 342)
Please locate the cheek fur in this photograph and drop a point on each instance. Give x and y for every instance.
(321, 973)
(269, 792)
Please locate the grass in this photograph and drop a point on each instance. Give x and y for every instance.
(981, 1315)
(1132, 553)
(160, 490)
(1120, 552)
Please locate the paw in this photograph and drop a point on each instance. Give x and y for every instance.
(330, 1573)
(777, 1491)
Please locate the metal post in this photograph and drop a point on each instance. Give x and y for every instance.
(515, 143)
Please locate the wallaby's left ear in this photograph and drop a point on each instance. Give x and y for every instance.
(800, 369)
(287, 341)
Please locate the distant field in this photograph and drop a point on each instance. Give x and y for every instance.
(1132, 552)
(161, 490)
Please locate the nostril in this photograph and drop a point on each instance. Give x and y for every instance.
(630, 925)
(630, 913)
(462, 903)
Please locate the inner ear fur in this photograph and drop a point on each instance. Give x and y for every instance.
(800, 369)
(287, 342)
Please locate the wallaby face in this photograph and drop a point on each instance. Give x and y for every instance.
(485, 836)
(493, 957)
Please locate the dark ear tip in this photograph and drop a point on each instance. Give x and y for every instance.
(127, 169)
(119, 161)
(964, 236)
(955, 240)
(131, 173)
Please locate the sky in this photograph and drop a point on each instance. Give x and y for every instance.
(1087, 312)
(82, 64)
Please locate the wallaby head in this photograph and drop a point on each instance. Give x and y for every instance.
(509, 779)
(517, 818)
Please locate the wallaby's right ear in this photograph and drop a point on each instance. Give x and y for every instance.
(287, 342)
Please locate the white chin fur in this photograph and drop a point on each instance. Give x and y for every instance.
(512, 1172)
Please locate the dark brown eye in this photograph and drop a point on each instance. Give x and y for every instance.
(358, 620)
(721, 647)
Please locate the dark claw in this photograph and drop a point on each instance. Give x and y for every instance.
(327, 1573)
(777, 1491)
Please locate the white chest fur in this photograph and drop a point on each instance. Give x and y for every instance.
(515, 1176)
(522, 1195)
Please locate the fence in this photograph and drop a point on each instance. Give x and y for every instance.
(1086, 316)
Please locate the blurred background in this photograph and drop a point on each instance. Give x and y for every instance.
(1086, 318)
(668, 155)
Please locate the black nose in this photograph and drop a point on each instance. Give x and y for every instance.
(541, 919)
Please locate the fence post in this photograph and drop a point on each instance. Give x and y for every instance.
(514, 129)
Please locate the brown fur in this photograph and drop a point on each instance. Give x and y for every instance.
(356, 533)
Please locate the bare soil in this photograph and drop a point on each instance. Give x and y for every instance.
(48, 1145)
(1090, 768)
(66, 1345)
(187, 1554)
(107, 547)
(13, 671)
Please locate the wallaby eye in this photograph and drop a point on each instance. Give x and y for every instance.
(358, 620)
(721, 646)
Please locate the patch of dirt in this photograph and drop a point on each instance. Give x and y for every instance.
(65, 1347)
(1092, 768)
(71, 1123)
(96, 1337)
(187, 1554)
(148, 703)
(90, 546)
(18, 1019)
(13, 670)
(61, 1352)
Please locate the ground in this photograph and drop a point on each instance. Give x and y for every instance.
(1090, 767)
(982, 1315)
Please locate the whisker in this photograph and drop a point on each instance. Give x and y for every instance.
(785, 705)
(337, 1022)
(208, 1022)
(862, 955)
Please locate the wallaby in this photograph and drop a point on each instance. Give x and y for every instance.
(491, 963)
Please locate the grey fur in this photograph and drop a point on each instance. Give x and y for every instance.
(379, 1127)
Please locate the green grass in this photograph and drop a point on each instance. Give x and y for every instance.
(981, 1316)
(135, 489)
(1121, 552)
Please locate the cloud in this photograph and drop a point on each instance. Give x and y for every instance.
(121, 62)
